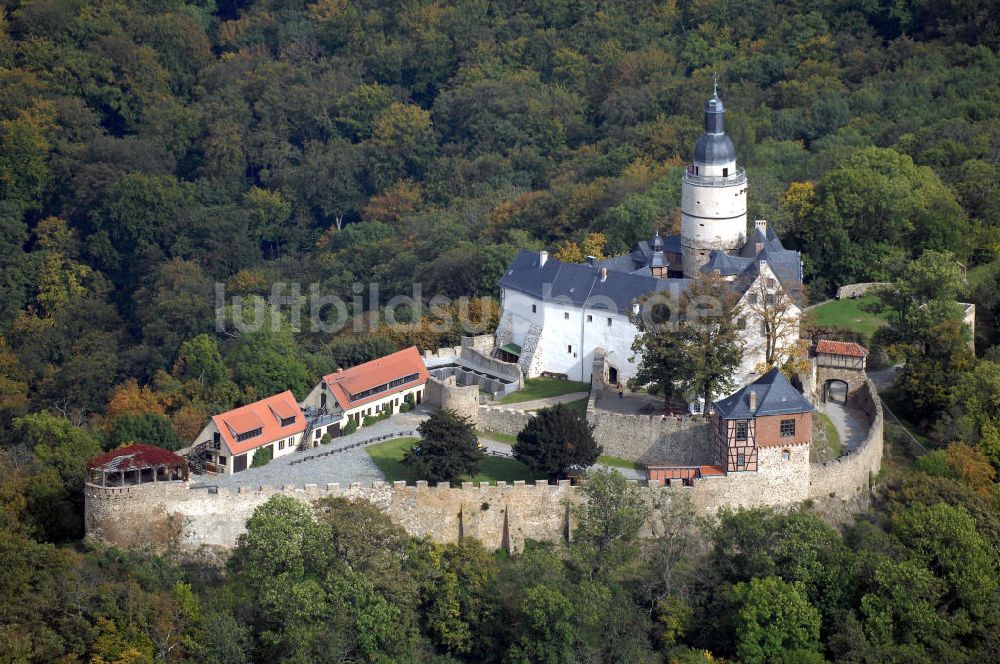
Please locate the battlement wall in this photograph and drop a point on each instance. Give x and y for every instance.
(169, 514)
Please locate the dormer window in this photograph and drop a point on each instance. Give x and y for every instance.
(247, 435)
(287, 421)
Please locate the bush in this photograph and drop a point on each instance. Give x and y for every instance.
(262, 456)
(325, 439)
(351, 427)
(405, 407)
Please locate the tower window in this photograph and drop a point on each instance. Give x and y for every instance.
(786, 455)
(742, 429)
(787, 428)
(609, 322)
(741, 460)
(534, 308)
(569, 348)
(566, 315)
(725, 172)
(590, 319)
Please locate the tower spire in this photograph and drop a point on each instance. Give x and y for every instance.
(715, 84)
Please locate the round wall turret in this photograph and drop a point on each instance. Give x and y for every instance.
(713, 195)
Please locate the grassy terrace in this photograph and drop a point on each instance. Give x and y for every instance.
(849, 314)
(543, 388)
(832, 435)
(388, 456)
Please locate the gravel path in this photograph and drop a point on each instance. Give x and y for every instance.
(851, 424)
(353, 465)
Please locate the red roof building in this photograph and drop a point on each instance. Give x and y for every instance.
(371, 388)
(845, 348)
(135, 464)
(236, 435)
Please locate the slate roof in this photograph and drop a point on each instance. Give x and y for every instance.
(775, 396)
(580, 284)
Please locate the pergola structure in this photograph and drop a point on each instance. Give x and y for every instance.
(136, 464)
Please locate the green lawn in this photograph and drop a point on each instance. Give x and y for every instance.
(832, 435)
(542, 388)
(579, 407)
(849, 314)
(499, 437)
(388, 456)
(618, 462)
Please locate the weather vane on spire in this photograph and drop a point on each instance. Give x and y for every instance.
(715, 84)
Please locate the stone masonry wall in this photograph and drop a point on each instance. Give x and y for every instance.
(172, 514)
(652, 440)
(502, 420)
(857, 290)
(848, 476)
(448, 395)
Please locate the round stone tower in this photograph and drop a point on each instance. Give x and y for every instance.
(713, 194)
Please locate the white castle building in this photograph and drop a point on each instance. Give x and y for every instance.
(555, 315)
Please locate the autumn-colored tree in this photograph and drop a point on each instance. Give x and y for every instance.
(398, 202)
(569, 252)
(972, 467)
(131, 399)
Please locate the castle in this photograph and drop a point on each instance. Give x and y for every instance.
(556, 315)
(564, 319)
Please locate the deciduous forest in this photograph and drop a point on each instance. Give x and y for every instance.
(156, 152)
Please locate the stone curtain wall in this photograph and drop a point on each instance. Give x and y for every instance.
(652, 440)
(848, 476)
(502, 420)
(167, 515)
(852, 290)
(776, 483)
(507, 370)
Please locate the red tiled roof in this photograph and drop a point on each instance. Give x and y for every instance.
(377, 372)
(266, 415)
(135, 457)
(841, 348)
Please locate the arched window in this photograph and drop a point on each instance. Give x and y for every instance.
(786, 455)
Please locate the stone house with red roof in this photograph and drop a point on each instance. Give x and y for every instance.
(369, 389)
(234, 437)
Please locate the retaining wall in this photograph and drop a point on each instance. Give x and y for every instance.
(652, 440)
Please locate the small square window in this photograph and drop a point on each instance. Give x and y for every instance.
(787, 428)
(590, 319)
(534, 308)
(569, 349)
(566, 315)
(222, 461)
(769, 300)
(752, 299)
(741, 460)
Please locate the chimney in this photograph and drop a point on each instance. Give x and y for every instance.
(591, 261)
(761, 225)
(753, 401)
(340, 369)
(604, 274)
(543, 257)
